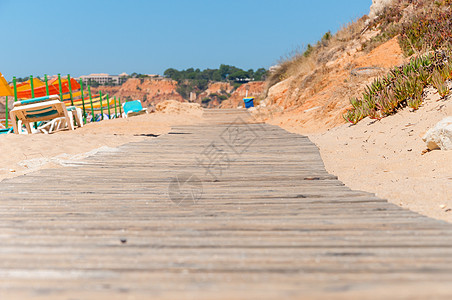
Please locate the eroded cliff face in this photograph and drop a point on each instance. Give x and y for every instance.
(149, 91)
(317, 100)
(255, 89)
(154, 91)
(217, 88)
(213, 93)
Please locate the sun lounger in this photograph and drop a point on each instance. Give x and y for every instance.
(3, 123)
(133, 108)
(53, 125)
(75, 112)
(34, 130)
(60, 123)
(6, 130)
(42, 109)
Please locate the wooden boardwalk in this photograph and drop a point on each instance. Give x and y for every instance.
(222, 210)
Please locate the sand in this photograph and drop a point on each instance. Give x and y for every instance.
(385, 157)
(21, 154)
(382, 157)
(176, 107)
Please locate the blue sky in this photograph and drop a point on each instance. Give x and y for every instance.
(147, 36)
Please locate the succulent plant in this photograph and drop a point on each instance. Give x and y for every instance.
(439, 83)
(403, 86)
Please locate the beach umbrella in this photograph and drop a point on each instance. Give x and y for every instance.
(40, 89)
(26, 85)
(5, 90)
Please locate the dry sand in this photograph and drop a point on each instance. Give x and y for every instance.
(384, 157)
(176, 107)
(22, 154)
(381, 157)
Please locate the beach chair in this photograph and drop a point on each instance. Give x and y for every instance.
(133, 108)
(3, 129)
(6, 130)
(42, 109)
(53, 125)
(61, 123)
(77, 113)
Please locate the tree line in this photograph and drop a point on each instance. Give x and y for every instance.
(224, 73)
(195, 80)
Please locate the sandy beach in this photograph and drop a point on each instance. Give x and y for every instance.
(382, 157)
(216, 165)
(22, 154)
(385, 157)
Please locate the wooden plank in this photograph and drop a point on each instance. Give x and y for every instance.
(273, 224)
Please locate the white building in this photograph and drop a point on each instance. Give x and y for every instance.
(104, 79)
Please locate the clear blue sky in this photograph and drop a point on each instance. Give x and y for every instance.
(147, 36)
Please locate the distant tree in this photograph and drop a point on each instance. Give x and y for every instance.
(216, 75)
(238, 75)
(202, 84)
(260, 74)
(184, 89)
(224, 70)
(325, 39)
(196, 80)
(172, 73)
(190, 74)
(93, 83)
(308, 51)
(236, 84)
(19, 79)
(110, 83)
(327, 36)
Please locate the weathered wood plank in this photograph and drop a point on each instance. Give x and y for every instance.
(269, 224)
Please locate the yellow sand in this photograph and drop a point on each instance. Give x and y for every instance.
(21, 154)
(385, 157)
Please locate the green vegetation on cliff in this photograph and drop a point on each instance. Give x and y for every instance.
(403, 86)
(195, 80)
(424, 28)
(421, 25)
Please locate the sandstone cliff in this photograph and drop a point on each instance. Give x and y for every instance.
(255, 89)
(315, 96)
(154, 91)
(149, 91)
(214, 95)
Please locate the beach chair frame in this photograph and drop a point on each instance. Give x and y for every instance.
(39, 109)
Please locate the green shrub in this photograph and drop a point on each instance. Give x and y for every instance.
(439, 82)
(403, 86)
(428, 26)
(427, 29)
